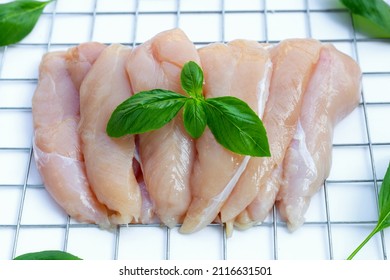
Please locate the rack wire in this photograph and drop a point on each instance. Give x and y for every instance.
(341, 214)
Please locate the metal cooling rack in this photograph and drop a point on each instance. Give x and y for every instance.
(341, 214)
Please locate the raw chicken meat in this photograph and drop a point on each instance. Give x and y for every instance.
(240, 69)
(333, 92)
(300, 88)
(79, 60)
(148, 215)
(166, 154)
(109, 161)
(56, 145)
(293, 62)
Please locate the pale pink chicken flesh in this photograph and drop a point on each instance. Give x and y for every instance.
(293, 61)
(166, 154)
(79, 60)
(109, 161)
(302, 86)
(333, 92)
(240, 69)
(56, 145)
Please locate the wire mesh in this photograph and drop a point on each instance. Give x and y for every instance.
(341, 214)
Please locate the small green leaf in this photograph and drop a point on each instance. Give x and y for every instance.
(18, 18)
(194, 117)
(377, 11)
(384, 212)
(236, 126)
(145, 111)
(192, 79)
(384, 201)
(47, 255)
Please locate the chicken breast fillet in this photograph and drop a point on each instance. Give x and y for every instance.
(109, 161)
(293, 62)
(333, 92)
(241, 69)
(79, 60)
(56, 145)
(300, 88)
(166, 154)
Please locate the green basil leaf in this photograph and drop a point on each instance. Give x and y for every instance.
(18, 18)
(236, 126)
(47, 255)
(384, 212)
(384, 201)
(377, 11)
(194, 117)
(191, 78)
(145, 111)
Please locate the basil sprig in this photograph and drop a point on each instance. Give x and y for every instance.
(233, 123)
(18, 18)
(48, 255)
(384, 212)
(377, 11)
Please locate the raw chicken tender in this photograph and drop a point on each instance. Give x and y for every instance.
(79, 60)
(240, 69)
(300, 89)
(56, 145)
(293, 62)
(109, 161)
(333, 92)
(166, 154)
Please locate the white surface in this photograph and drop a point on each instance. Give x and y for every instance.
(30, 220)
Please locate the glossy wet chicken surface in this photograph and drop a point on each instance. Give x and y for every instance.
(300, 89)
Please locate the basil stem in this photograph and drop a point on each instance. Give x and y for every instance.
(384, 212)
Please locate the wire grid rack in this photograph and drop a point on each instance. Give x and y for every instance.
(340, 215)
